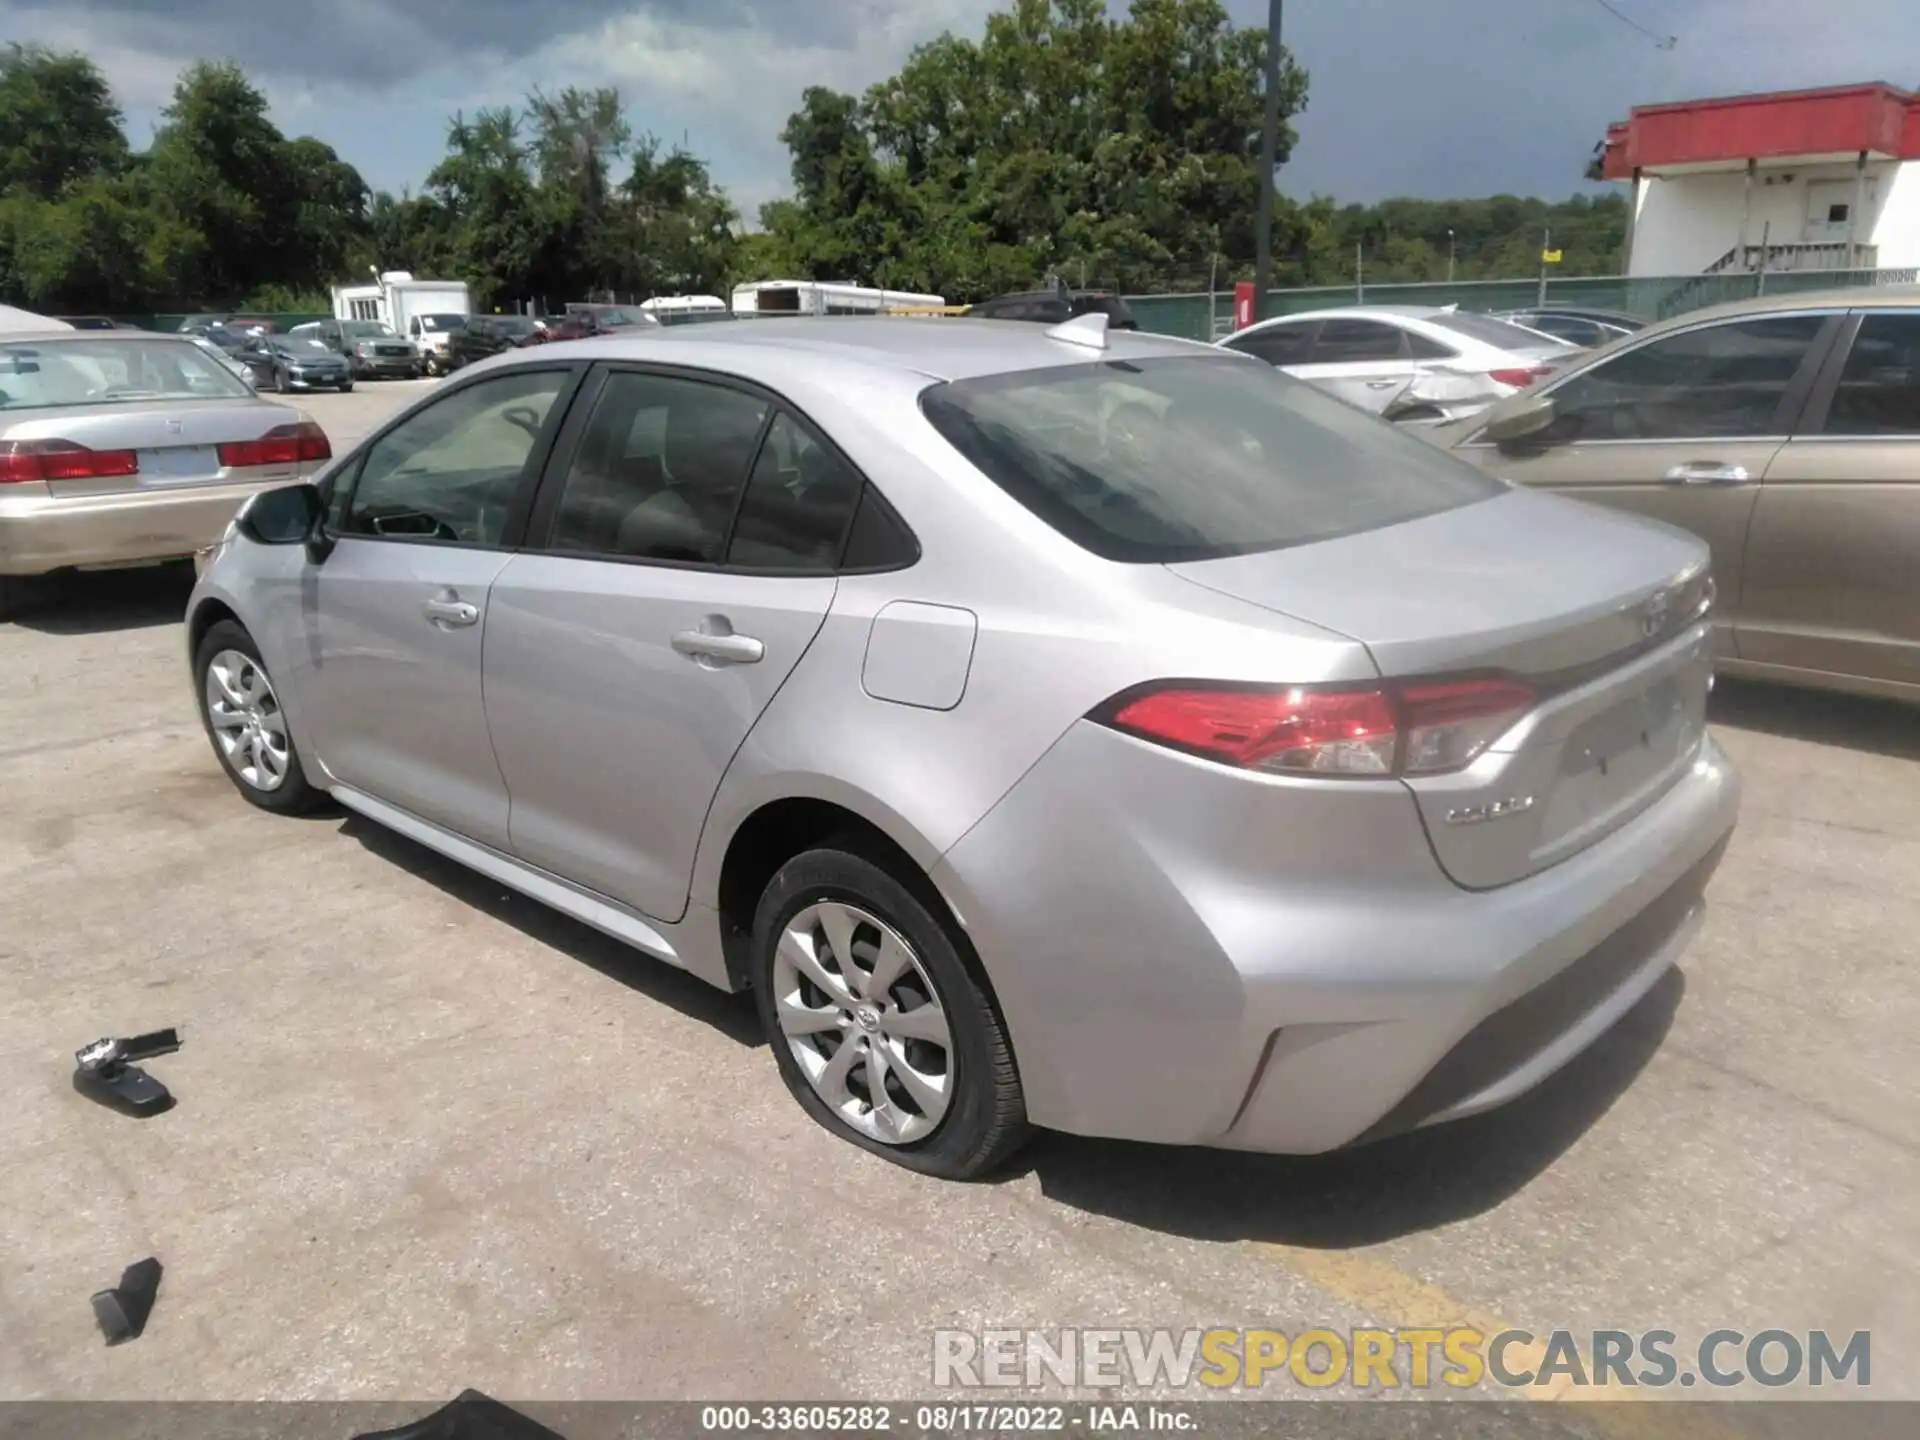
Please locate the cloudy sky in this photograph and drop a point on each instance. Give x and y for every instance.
(1407, 97)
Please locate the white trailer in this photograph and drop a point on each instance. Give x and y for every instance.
(679, 309)
(822, 297)
(426, 312)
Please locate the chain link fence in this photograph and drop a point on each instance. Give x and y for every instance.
(1652, 297)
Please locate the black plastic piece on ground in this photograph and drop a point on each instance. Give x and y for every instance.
(469, 1416)
(104, 1071)
(123, 1310)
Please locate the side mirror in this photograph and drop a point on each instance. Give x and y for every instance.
(285, 515)
(1518, 418)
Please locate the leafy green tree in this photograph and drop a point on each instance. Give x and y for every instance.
(58, 121)
(1064, 141)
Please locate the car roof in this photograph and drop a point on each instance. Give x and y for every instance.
(1356, 312)
(944, 348)
(77, 337)
(1857, 297)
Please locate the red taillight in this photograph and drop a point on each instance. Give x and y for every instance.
(62, 460)
(282, 445)
(1521, 379)
(1338, 732)
(1448, 722)
(1417, 728)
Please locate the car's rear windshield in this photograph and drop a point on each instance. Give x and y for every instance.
(301, 345)
(1489, 331)
(1169, 460)
(443, 322)
(513, 325)
(69, 373)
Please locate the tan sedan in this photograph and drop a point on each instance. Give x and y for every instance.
(119, 448)
(1783, 431)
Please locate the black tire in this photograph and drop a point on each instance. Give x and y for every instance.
(294, 795)
(14, 595)
(986, 1118)
(346, 387)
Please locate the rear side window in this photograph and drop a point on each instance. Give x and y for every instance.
(1422, 348)
(1163, 461)
(1345, 342)
(1879, 391)
(1488, 330)
(1280, 345)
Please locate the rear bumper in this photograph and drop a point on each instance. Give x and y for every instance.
(45, 532)
(1189, 955)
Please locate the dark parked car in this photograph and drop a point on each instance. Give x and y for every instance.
(486, 335)
(372, 347)
(293, 362)
(90, 322)
(1054, 307)
(582, 321)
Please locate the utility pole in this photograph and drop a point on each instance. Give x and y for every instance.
(1546, 244)
(1449, 257)
(1269, 160)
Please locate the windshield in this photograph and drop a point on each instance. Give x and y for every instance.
(101, 371)
(1489, 331)
(367, 330)
(443, 322)
(613, 318)
(1162, 461)
(302, 348)
(513, 325)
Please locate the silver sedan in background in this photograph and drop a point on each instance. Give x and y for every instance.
(1049, 727)
(120, 447)
(1406, 362)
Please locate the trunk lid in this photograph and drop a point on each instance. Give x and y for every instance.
(1599, 611)
(176, 440)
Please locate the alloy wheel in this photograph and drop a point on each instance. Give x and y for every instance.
(248, 724)
(864, 1022)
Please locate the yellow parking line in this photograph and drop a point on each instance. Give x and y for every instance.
(1403, 1301)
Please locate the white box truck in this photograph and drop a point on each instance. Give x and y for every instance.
(424, 312)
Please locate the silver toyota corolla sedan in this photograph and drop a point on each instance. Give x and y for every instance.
(1050, 727)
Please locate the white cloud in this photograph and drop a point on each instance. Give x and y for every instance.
(732, 87)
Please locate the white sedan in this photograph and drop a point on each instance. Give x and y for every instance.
(1408, 361)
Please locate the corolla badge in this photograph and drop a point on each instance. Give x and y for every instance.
(1654, 614)
(1492, 810)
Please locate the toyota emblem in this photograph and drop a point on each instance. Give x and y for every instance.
(1653, 616)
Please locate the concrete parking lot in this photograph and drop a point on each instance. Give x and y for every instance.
(430, 1135)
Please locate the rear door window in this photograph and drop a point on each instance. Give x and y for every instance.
(1879, 389)
(1163, 461)
(658, 470)
(1278, 345)
(1347, 342)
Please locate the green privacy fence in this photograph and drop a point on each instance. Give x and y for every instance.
(1653, 297)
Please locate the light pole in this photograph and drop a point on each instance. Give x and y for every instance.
(1449, 257)
(1269, 159)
